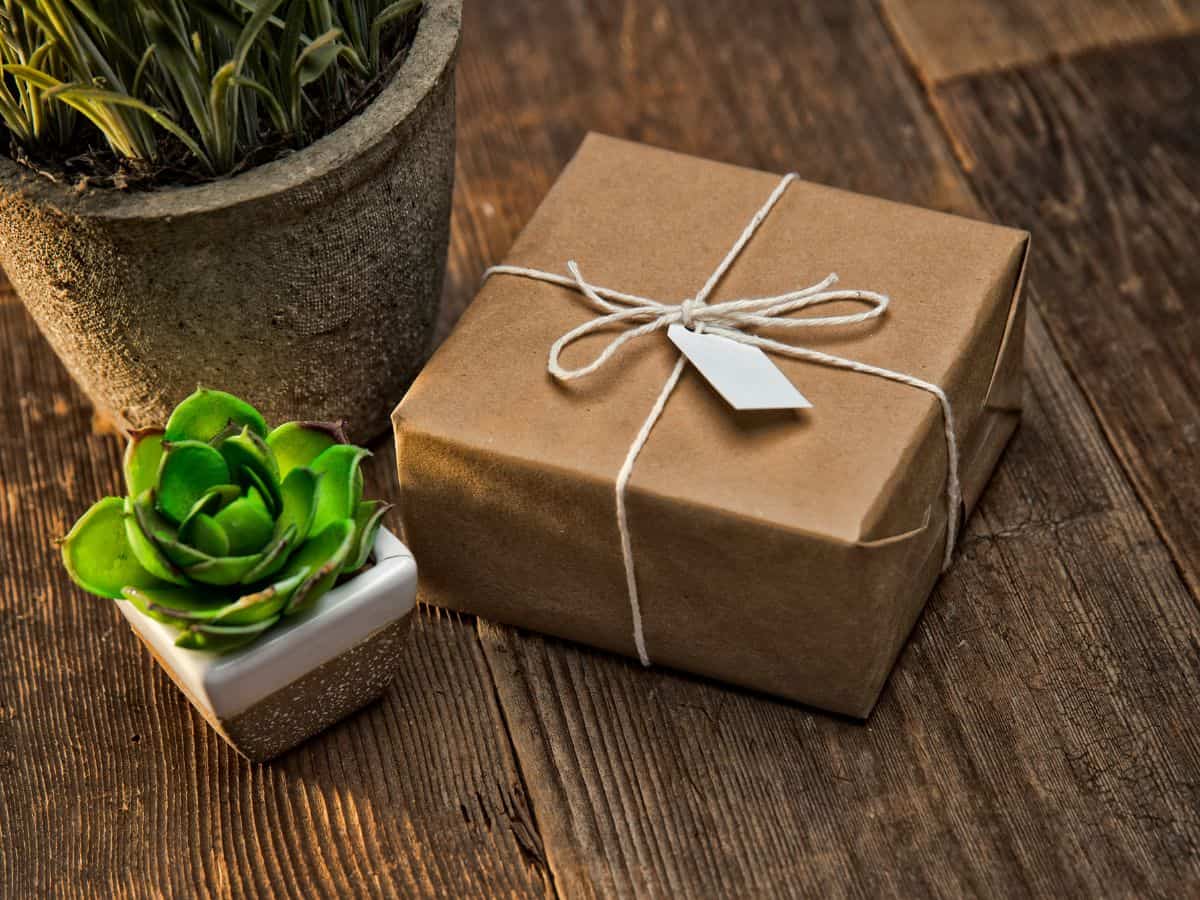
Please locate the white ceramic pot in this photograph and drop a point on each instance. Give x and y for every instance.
(305, 673)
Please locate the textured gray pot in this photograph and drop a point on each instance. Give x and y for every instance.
(309, 285)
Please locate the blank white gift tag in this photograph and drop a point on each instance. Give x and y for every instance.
(742, 374)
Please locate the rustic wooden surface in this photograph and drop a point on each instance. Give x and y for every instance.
(1041, 735)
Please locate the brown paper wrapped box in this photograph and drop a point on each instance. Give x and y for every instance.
(789, 552)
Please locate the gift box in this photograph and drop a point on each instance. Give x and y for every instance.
(563, 468)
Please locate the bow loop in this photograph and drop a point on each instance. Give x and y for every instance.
(727, 318)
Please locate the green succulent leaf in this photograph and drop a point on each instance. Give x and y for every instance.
(250, 460)
(320, 560)
(188, 471)
(299, 443)
(299, 494)
(228, 431)
(263, 604)
(205, 534)
(247, 524)
(164, 534)
(340, 486)
(214, 500)
(97, 554)
(143, 455)
(183, 555)
(223, 571)
(366, 525)
(206, 413)
(149, 554)
(258, 489)
(222, 638)
(175, 605)
(273, 556)
(152, 522)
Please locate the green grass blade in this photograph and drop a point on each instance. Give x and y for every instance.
(100, 95)
(274, 107)
(224, 118)
(139, 73)
(219, 17)
(181, 67)
(101, 25)
(317, 57)
(257, 22)
(388, 14)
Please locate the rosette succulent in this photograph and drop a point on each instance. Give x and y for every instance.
(228, 528)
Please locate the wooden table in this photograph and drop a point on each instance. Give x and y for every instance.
(1041, 735)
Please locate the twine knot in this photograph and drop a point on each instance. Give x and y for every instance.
(687, 310)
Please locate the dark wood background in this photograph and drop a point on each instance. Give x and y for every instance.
(1041, 735)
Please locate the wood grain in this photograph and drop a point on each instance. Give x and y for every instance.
(946, 40)
(1098, 156)
(112, 785)
(1029, 742)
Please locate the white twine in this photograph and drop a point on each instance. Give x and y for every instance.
(728, 319)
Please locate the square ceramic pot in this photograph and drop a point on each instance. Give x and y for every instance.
(304, 675)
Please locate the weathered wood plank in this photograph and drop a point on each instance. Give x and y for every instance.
(946, 40)
(1034, 738)
(112, 785)
(1098, 156)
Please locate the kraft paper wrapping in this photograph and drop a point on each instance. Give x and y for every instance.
(789, 552)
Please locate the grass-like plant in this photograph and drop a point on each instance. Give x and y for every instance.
(209, 80)
(227, 528)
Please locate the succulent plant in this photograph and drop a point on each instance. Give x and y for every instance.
(227, 528)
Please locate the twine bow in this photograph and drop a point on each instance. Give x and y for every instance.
(735, 321)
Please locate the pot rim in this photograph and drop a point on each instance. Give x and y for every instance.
(429, 57)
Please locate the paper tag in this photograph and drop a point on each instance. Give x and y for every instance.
(742, 374)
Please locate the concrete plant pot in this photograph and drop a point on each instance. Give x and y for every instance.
(309, 285)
